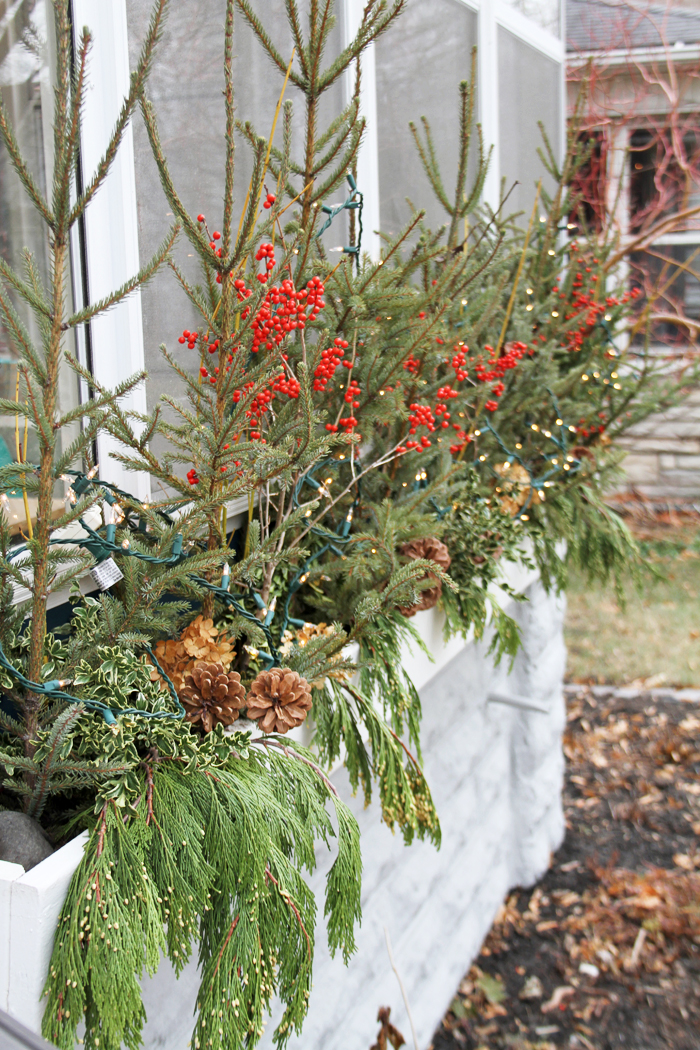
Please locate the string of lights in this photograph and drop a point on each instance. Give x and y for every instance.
(104, 546)
(55, 690)
(355, 201)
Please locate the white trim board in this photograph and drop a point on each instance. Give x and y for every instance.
(111, 230)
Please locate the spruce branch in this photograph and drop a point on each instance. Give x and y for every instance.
(137, 84)
(137, 281)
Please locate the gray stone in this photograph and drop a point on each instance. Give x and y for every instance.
(22, 840)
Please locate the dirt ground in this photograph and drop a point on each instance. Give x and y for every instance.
(605, 951)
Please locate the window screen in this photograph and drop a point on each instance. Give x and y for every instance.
(420, 63)
(544, 13)
(186, 89)
(529, 90)
(25, 85)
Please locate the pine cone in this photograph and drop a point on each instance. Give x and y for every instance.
(212, 695)
(280, 698)
(434, 550)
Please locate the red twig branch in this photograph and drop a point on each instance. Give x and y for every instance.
(290, 903)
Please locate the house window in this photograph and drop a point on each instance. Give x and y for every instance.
(25, 85)
(665, 181)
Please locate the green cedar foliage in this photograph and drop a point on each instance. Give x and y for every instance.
(194, 843)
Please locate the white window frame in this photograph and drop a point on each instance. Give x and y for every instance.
(111, 226)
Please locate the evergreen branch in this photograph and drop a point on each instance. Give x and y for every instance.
(24, 290)
(230, 127)
(20, 165)
(192, 228)
(137, 281)
(293, 19)
(264, 38)
(64, 161)
(137, 83)
(429, 161)
(376, 19)
(19, 334)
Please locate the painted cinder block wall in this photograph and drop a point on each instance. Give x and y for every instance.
(496, 774)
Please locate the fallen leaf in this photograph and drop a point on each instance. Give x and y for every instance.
(458, 1008)
(532, 989)
(682, 860)
(558, 996)
(492, 987)
(541, 927)
(387, 1033)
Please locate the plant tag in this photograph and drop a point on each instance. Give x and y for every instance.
(106, 574)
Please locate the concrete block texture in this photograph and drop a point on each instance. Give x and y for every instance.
(496, 775)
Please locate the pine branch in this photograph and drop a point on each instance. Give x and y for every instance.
(137, 281)
(137, 85)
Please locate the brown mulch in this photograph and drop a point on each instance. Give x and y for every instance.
(605, 951)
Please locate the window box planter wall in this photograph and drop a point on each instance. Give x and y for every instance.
(495, 771)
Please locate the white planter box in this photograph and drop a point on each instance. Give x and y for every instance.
(495, 772)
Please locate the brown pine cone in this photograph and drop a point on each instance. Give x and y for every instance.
(212, 695)
(434, 550)
(280, 698)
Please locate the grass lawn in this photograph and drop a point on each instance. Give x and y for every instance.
(655, 637)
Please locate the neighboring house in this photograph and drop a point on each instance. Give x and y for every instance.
(645, 99)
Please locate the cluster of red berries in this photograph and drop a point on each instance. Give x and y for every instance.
(284, 310)
(352, 392)
(242, 293)
(462, 439)
(583, 305)
(412, 364)
(192, 477)
(586, 429)
(269, 201)
(330, 359)
(499, 366)
(188, 337)
(267, 252)
(288, 385)
(421, 416)
(458, 361)
(206, 375)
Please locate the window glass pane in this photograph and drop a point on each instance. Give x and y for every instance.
(25, 84)
(186, 89)
(664, 176)
(659, 268)
(529, 90)
(420, 63)
(545, 13)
